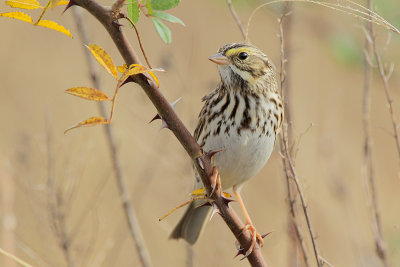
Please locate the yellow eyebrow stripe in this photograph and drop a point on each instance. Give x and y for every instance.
(236, 51)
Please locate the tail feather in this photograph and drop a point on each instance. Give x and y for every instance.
(192, 223)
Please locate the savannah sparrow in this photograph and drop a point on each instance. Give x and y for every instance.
(242, 118)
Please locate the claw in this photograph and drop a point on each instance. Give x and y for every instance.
(211, 154)
(256, 239)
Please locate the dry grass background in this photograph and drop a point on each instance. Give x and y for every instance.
(37, 65)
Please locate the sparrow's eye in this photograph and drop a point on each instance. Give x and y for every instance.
(243, 55)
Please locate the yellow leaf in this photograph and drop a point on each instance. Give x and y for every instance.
(198, 192)
(18, 15)
(121, 69)
(54, 26)
(24, 4)
(89, 122)
(103, 58)
(155, 78)
(135, 69)
(227, 195)
(88, 93)
(62, 3)
(132, 70)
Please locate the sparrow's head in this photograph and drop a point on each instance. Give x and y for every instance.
(244, 65)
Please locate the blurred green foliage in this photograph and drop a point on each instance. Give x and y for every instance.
(389, 10)
(346, 49)
(146, 6)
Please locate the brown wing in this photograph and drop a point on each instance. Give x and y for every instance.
(205, 111)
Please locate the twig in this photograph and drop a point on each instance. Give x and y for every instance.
(237, 20)
(139, 40)
(129, 211)
(385, 79)
(324, 261)
(7, 210)
(14, 258)
(32, 254)
(289, 167)
(56, 204)
(368, 167)
(363, 14)
(201, 160)
(285, 91)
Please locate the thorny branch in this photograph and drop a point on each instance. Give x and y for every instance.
(201, 160)
(290, 170)
(129, 211)
(368, 167)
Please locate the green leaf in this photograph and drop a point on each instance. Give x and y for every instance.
(162, 30)
(149, 7)
(164, 4)
(168, 17)
(133, 10)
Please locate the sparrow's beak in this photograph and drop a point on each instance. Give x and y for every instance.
(219, 59)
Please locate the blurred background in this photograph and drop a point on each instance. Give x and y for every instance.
(326, 74)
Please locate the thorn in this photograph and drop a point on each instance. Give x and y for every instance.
(173, 104)
(240, 252)
(116, 24)
(200, 162)
(127, 80)
(246, 255)
(164, 124)
(227, 201)
(264, 235)
(249, 251)
(70, 4)
(215, 209)
(240, 249)
(156, 117)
